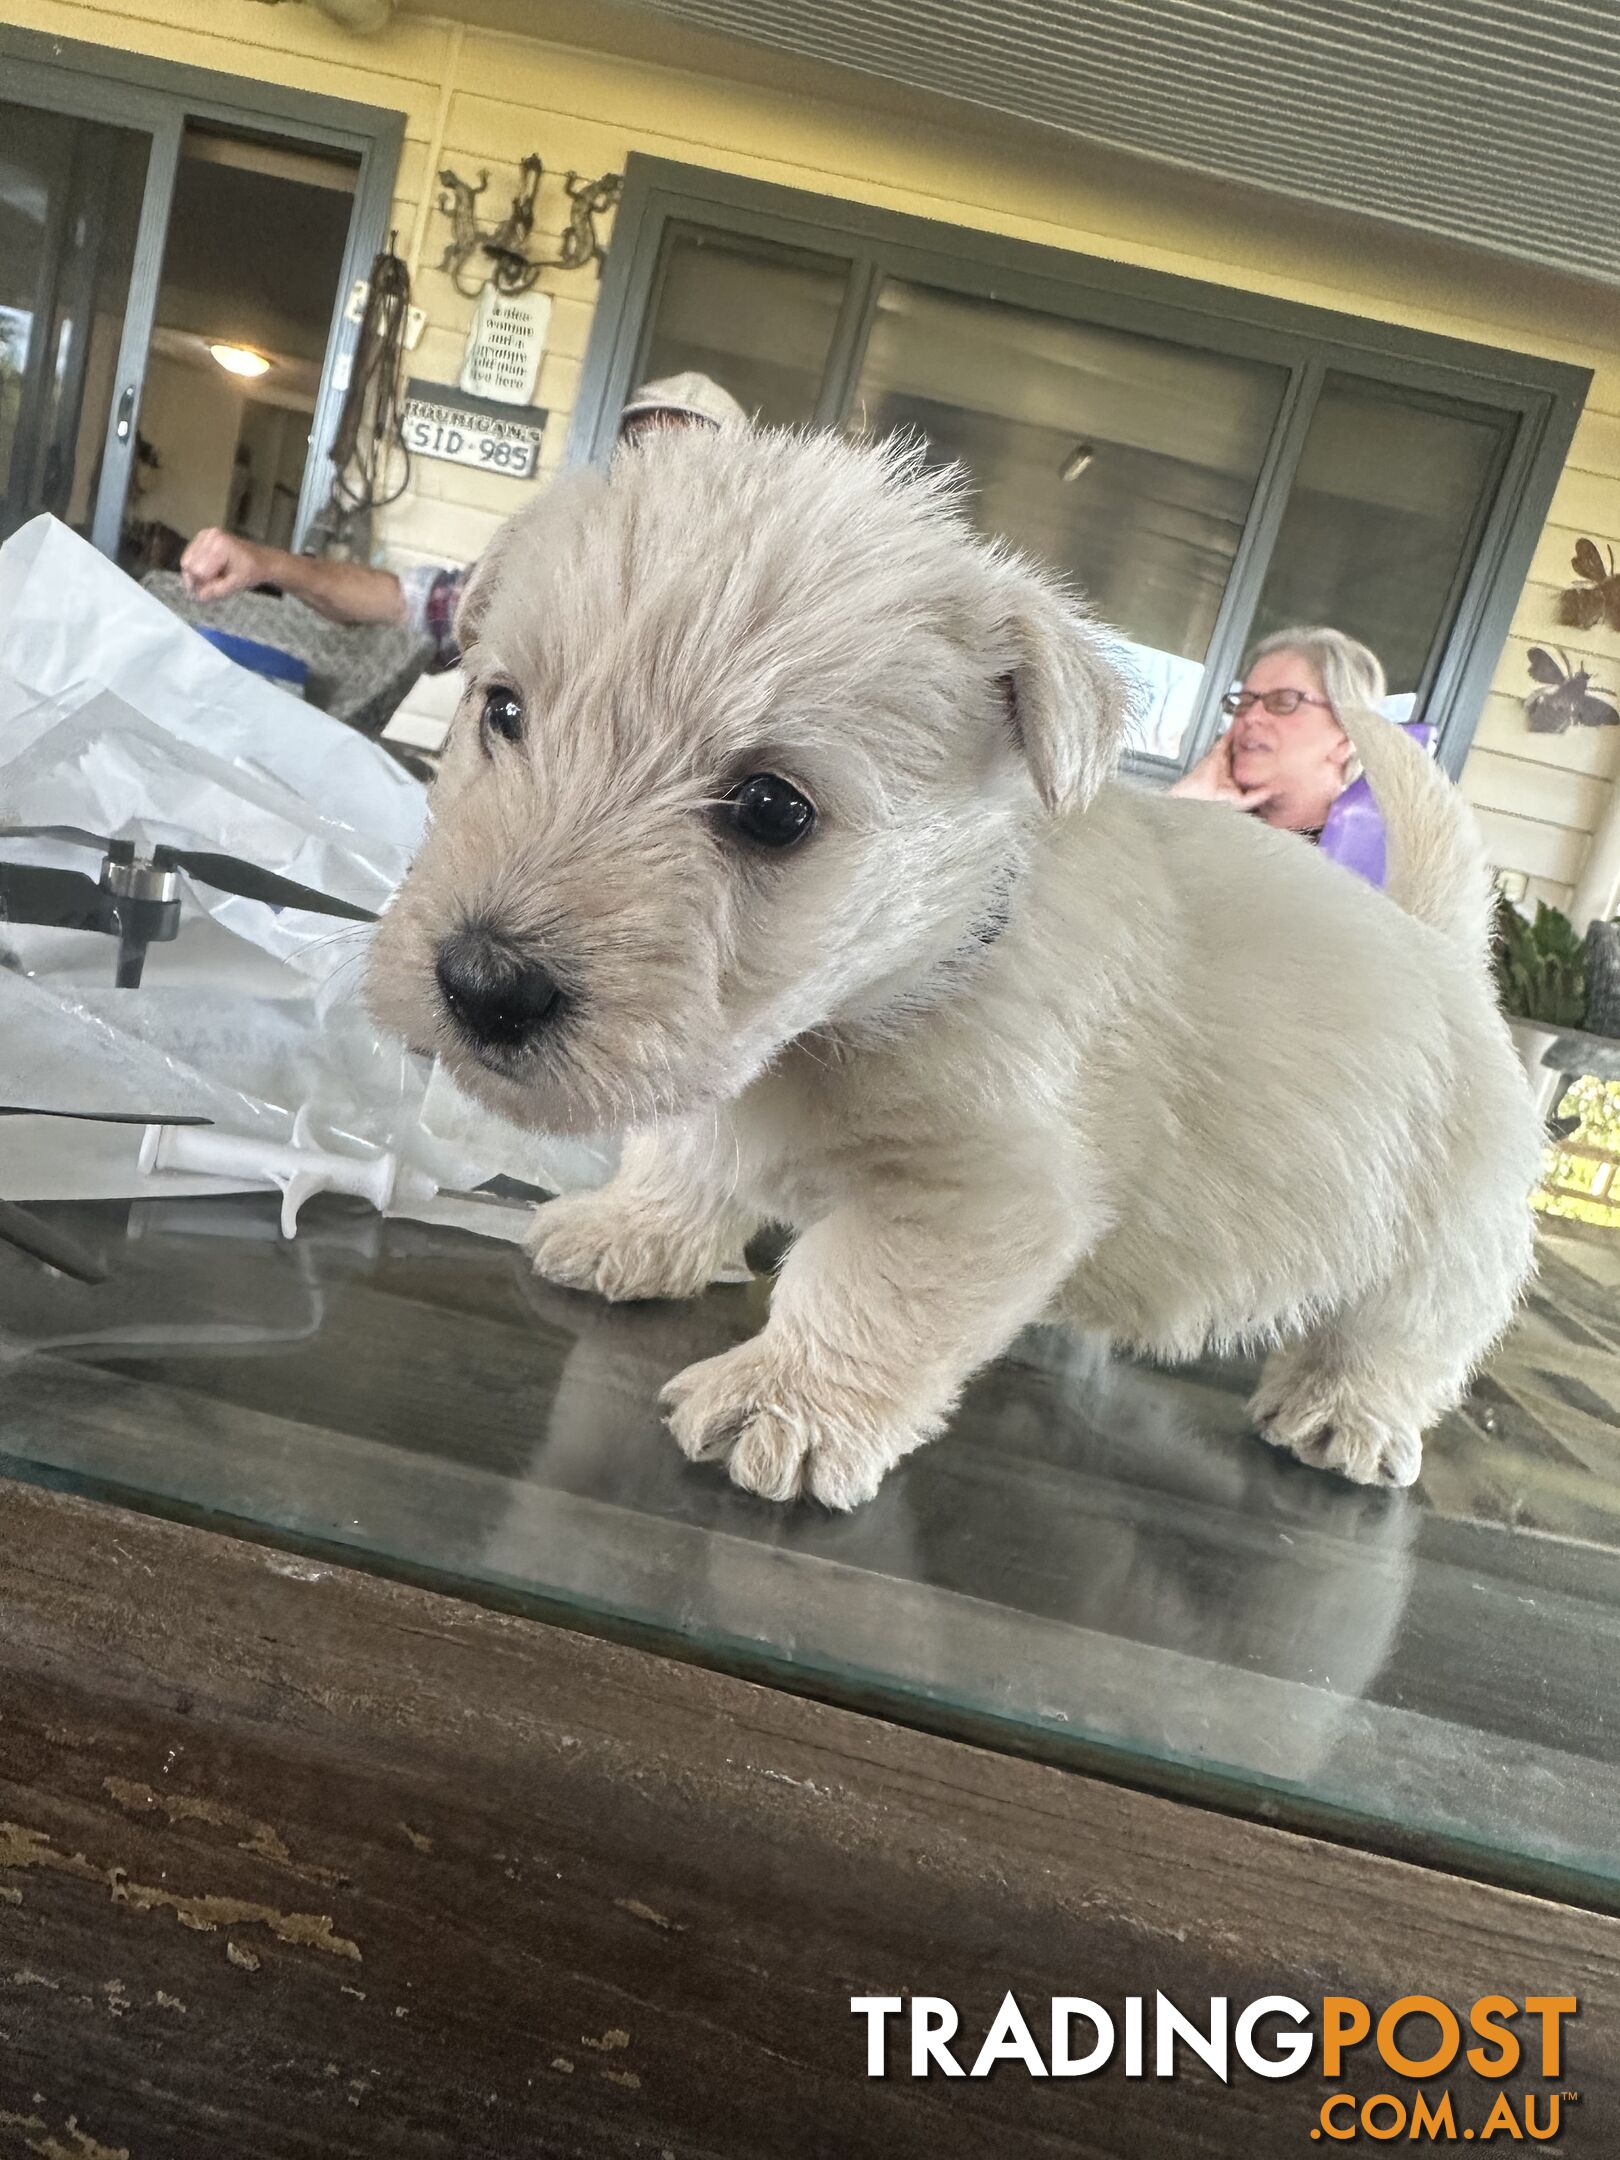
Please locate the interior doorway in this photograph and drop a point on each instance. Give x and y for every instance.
(177, 252)
(251, 280)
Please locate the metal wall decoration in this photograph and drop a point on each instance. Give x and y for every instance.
(1566, 696)
(513, 269)
(1595, 598)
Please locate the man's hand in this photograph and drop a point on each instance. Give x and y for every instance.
(217, 564)
(1210, 780)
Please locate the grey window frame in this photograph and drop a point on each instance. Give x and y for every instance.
(1542, 398)
(127, 89)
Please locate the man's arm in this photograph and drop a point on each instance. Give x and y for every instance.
(217, 564)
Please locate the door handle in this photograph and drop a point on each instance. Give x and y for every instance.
(126, 414)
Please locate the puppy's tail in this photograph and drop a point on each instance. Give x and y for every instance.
(1435, 864)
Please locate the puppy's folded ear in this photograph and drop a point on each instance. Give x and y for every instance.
(476, 593)
(1067, 700)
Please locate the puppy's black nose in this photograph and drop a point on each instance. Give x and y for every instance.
(498, 998)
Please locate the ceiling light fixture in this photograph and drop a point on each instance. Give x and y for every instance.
(1077, 460)
(240, 359)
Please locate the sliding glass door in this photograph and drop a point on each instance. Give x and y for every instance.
(78, 197)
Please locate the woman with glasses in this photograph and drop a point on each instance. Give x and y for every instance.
(1284, 756)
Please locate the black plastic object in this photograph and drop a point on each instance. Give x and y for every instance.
(225, 873)
(43, 1241)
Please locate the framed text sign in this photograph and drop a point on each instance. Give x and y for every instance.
(503, 350)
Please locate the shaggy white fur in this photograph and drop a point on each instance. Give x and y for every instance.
(997, 1039)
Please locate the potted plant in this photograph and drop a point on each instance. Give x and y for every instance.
(1553, 983)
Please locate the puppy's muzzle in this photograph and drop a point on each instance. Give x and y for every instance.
(495, 995)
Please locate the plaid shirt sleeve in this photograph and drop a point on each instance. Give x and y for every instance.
(432, 591)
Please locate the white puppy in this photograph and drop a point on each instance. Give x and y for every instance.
(775, 830)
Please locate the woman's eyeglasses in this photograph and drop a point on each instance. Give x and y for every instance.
(1279, 703)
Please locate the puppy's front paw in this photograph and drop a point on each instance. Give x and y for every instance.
(595, 1241)
(1327, 1428)
(782, 1435)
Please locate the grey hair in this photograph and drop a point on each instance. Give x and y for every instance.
(1351, 674)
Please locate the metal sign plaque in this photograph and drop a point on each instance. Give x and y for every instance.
(440, 421)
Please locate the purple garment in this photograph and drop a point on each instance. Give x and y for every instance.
(1354, 832)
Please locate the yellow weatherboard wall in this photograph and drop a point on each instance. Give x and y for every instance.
(475, 99)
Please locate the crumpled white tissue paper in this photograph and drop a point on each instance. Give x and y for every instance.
(115, 716)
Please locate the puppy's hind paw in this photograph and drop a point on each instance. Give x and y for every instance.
(593, 1241)
(779, 1437)
(1366, 1449)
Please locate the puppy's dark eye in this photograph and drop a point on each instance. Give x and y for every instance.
(503, 714)
(771, 811)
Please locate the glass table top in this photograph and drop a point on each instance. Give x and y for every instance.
(1097, 1564)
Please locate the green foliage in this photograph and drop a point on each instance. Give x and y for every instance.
(1540, 966)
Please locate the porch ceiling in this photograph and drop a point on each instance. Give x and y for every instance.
(1491, 122)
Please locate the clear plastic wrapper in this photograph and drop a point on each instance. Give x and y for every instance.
(117, 718)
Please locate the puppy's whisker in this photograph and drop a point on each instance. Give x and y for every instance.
(348, 930)
(336, 978)
(801, 1045)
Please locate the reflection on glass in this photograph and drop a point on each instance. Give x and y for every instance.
(70, 203)
(1099, 1555)
(758, 320)
(1127, 462)
(1381, 520)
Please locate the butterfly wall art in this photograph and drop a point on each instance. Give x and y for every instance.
(1595, 598)
(1566, 695)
